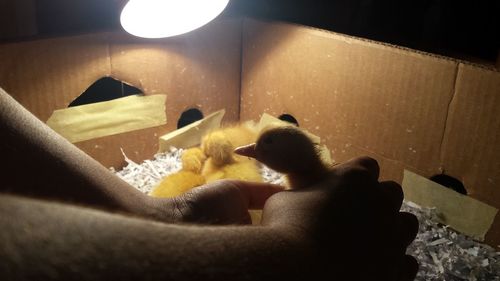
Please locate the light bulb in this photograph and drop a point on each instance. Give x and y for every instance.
(164, 18)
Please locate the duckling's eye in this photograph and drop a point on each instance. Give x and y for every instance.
(268, 140)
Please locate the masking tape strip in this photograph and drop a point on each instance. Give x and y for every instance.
(191, 134)
(463, 213)
(101, 119)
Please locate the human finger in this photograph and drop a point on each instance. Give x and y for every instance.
(400, 234)
(408, 228)
(256, 193)
(219, 202)
(408, 268)
(364, 163)
(392, 194)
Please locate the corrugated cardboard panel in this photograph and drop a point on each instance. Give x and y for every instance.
(46, 75)
(361, 98)
(200, 69)
(192, 134)
(461, 212)
(471, 146)
(137, 145)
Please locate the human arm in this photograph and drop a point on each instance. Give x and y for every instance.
(318, 217)
(42, 164)
(42, 240)
(350, 221)
(305, 234)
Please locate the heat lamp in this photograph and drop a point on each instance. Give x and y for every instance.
(165, 18)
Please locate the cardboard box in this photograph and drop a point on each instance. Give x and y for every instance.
(408, 109)
(200, 69)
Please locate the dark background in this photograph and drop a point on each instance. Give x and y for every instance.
(461, 29)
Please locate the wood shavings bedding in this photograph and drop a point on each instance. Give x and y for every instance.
(442, 253)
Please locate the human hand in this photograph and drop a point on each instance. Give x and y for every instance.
(350, 220)
(352, 223)
(222, 202)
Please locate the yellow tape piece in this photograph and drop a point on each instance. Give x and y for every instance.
(191, 134)
(463, 213)
(101, 119)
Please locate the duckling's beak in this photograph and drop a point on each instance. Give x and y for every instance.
(247, 150)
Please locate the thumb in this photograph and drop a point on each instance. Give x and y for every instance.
(257, 193)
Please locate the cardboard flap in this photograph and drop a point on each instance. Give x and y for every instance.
(463, 213)
(191, 134)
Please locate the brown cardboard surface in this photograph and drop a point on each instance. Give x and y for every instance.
(192, 134)
(463, 213)
(200, 69)
(471, 144)
(390, 103)
(360, 97)
(407, 109)
(46, 75)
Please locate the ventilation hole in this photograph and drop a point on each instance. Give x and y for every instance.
(189, 116)
(105, 89)
(449, 182)
(289, 118)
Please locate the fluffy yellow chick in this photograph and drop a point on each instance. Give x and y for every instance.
(187, 178)
(222, 163)
(241, 134)
(218, 148)
(288, 150)
(193, 159)
(241, 170)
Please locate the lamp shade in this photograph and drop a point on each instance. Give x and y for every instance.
(164, 18)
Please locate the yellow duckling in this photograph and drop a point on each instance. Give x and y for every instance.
(187, 178)
(288, 150)
(193, 159)
(241, 134)
(222, 163)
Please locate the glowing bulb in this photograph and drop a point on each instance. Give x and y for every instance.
(164, 18)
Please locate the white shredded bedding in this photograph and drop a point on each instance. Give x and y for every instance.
(442, 253)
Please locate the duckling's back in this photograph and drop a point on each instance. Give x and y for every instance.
(177, 183)
(246, 170)
(222, 162)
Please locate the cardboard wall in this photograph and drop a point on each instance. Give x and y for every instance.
(407, 109)
(200, 69)
(359, 96)
(471, 143)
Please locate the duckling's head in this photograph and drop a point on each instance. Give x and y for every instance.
(217, 146)
(286, 149)
(192, 159)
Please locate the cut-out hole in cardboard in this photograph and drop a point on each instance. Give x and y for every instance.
(105, 89)
(189, 116)
(289, 118)
(449, 182)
